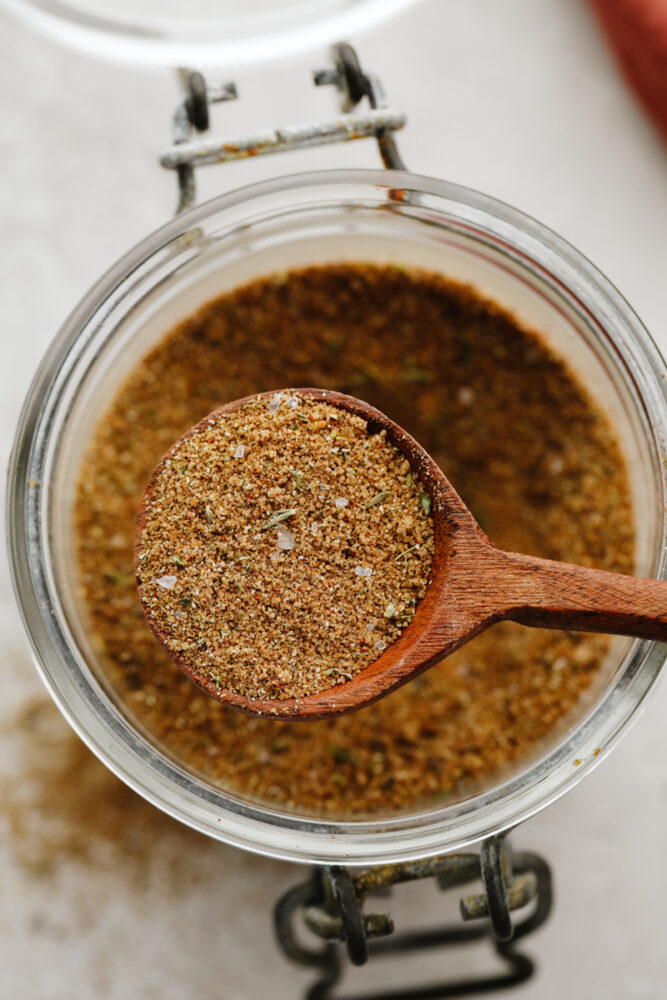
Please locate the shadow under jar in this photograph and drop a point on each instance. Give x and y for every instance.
(204, 764)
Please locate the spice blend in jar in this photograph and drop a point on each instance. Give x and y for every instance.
(282, 546)
(515, 432)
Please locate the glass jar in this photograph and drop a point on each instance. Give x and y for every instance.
(201, 32)
(318, 218)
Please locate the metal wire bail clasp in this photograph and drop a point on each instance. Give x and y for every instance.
(331, 906)
(354, 85)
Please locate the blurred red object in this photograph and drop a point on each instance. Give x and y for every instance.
(638, 31)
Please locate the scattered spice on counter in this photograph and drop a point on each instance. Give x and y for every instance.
(60, 805)
(259, 604)
(527, 449)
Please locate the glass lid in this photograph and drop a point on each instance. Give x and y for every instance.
(201, 32)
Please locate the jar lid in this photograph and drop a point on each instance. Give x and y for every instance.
(201, 33)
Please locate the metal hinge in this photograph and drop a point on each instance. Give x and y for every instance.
(375, 120)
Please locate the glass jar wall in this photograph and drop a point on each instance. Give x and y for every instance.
(331, 217)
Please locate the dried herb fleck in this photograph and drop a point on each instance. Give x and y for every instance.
(378, 499)
(277, 517)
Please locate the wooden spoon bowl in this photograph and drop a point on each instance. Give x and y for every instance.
(472, 585)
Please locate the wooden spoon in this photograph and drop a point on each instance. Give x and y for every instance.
(473, 585)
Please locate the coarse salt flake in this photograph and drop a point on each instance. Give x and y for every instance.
(167, 582)
(274, 405)
(314, 528)
(363, 571)
(285, 538)
(380, 645)
(341, 502)
(369, 627)
(240, 451)
(292, 402)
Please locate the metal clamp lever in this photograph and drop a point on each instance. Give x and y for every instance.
(341, 129)
(331, 905)
(192, 115)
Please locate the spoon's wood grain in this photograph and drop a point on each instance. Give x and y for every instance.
(472, 585)
(549, 594)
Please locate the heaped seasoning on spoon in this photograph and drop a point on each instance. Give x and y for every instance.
(285, 529)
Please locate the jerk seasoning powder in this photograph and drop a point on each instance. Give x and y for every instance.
(529, 451)
(282, 547)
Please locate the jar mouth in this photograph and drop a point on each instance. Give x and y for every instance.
(254, 220)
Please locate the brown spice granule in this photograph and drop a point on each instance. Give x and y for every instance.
(515, 432)
(283, 547)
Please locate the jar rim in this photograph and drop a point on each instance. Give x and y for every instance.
(110, 735)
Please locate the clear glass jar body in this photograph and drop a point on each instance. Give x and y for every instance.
(331, 216)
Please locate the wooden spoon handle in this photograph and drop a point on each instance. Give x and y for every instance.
(558, 595)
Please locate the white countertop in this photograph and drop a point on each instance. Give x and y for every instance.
(518, 98)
